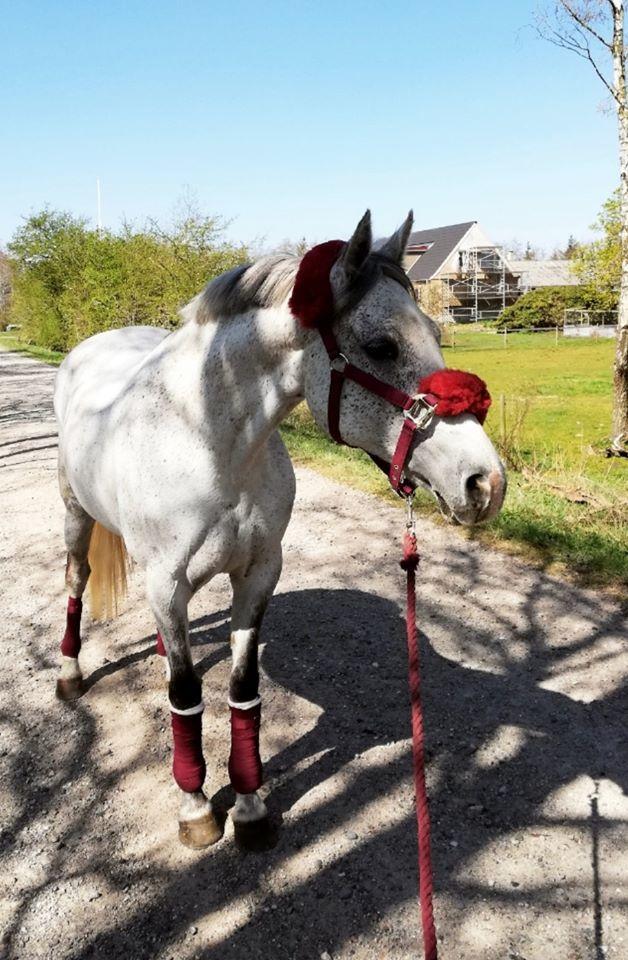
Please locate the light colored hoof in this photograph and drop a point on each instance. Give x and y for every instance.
(200, 832)
(70, 688)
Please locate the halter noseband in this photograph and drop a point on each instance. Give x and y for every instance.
(442, 393)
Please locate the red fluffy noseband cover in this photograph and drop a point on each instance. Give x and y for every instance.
(457, 392)
(312, 301)
(245, 765)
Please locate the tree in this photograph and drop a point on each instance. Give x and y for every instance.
(594, 31)
(598, 264)
(297, 248)
(571, 250)
(517, 251)
(70, 281)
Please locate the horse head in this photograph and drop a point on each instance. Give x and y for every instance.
(365, 304)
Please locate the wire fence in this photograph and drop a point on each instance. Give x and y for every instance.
(456, 337)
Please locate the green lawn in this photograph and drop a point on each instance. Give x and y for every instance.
(566, 507)
(8, 341)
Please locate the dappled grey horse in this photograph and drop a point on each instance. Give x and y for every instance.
(169, 449)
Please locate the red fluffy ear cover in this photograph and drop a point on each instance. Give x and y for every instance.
(457, 392)
(312, 300)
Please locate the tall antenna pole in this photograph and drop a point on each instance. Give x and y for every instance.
(98, 207)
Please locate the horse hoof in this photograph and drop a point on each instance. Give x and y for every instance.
(70, 688)
(200, 832)
(256, 835)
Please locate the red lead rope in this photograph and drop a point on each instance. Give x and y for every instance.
(409, 563)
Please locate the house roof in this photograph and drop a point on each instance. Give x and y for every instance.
(442, 240)
(544, 273)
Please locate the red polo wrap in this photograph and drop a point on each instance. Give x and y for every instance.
(457, 391)
(160, 649)
(71, 643)
(188, 762)
(245, 765)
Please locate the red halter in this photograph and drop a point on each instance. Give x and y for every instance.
(442, 393)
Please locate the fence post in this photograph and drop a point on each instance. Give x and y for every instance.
(453, 337)
(505, 337)
(556, 334)
(502, 417)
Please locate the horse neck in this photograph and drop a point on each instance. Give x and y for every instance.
(252, 377)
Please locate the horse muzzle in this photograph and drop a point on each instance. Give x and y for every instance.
(481, 498)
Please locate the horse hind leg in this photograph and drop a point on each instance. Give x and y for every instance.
(78, 531)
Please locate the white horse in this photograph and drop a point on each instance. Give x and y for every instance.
(169, 442)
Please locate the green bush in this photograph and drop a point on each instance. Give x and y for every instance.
(546, 306)
(70, 281)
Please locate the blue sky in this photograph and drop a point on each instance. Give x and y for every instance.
(290, 118)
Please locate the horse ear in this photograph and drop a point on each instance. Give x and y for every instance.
(395, 246)
(359, 247)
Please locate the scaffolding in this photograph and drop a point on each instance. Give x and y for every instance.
(481, 289)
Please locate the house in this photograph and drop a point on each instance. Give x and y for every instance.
(533, 274)
(460, 275)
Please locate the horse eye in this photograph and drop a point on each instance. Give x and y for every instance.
(381, 348)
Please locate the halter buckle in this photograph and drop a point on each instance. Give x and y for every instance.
(338, 363)
(421, 413)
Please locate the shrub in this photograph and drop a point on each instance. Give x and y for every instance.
(70, 281)
(545, 307)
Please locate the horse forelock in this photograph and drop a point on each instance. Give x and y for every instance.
(268, 282)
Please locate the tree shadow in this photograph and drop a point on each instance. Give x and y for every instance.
(342, 651)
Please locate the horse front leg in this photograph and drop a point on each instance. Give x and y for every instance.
(169, 597)
(252, 589)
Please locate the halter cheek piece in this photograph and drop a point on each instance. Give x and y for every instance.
(442, 393)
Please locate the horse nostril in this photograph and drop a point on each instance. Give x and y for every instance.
(478, 489)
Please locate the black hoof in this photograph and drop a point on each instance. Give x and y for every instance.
(256, 835)
(70, 689)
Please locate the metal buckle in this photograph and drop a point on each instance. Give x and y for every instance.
(410, 524)
(338, 363)
(421, 412)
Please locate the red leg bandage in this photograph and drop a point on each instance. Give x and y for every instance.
(71, 643)
(245, 765)
(160, 649)
(188, 762)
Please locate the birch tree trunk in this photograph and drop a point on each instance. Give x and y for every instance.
(620, 384)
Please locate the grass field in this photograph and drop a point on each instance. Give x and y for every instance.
(567, 504)
(8, 341)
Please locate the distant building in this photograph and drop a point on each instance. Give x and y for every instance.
(460, 275)
(533, 274)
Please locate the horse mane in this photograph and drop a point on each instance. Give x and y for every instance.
(268, 282)
(264, 283)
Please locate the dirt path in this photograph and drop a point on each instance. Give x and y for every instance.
(525, 688)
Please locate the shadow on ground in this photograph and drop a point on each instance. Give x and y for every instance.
(343, 651)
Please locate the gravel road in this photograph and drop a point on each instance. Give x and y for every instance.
(526, 709)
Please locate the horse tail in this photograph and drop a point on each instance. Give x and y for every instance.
(109, 564)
